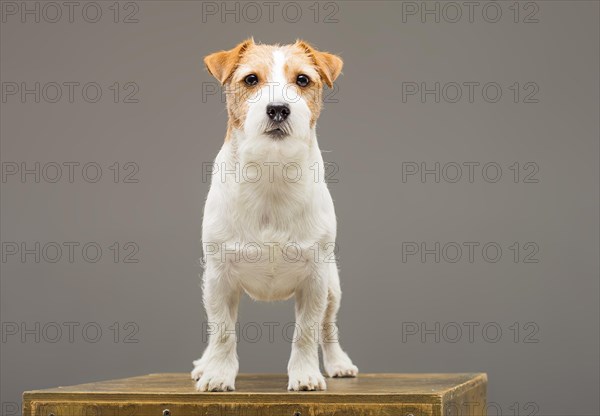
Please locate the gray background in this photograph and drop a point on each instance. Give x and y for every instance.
(368, 133)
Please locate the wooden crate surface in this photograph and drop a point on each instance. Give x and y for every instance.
(429, 392)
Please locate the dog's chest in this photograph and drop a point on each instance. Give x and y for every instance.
(278, 240)
(269, 224)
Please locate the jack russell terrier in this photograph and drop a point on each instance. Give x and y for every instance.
(269, 224)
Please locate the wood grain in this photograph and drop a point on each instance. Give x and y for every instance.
(266, 394)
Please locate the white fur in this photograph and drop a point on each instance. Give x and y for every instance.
(251, 216)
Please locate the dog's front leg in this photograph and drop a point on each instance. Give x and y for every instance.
(311, 302)
(219, 365)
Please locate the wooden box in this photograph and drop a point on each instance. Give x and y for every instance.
(266, 395)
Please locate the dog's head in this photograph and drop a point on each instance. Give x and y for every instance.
(274, 92)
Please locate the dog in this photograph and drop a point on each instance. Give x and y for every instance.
(269, 224)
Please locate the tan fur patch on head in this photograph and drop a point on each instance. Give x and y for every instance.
(222, 64)
(328, 65)
(298, 62)
(258, 60)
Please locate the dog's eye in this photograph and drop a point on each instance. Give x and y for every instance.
(302, 80)
(251, 79)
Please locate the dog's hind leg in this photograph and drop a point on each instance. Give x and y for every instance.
(335, 360)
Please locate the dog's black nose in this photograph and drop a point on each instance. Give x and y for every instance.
(278, 111)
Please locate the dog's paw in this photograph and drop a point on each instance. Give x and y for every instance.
(338, 364)
(198, 369)
(216, 381)
(341, 370)
(306, 380)
(197, 372)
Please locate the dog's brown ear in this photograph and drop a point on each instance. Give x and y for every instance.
(328, 65)
(222, 64)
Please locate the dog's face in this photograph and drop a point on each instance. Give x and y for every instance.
(274, 92)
